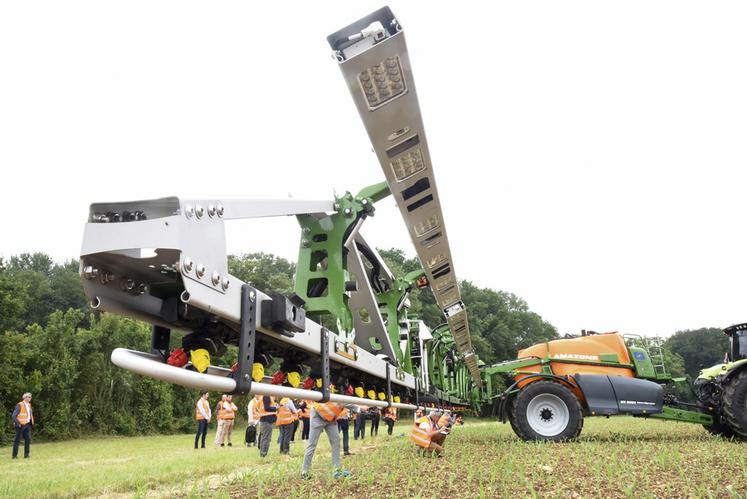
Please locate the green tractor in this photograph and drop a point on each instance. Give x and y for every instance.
(722, 389)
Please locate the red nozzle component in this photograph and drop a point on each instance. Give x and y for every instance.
(178, 358)
(349, 390)
(307, 384)
(278, 378)
(235, 367)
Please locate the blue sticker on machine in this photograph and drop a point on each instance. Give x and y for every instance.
(639, 355)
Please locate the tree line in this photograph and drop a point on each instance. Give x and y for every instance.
(55, 346)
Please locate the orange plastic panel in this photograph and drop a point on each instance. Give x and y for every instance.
(579, 349)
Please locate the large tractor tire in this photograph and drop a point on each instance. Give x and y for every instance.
(734, 403)
(546, 410)
(721, 430)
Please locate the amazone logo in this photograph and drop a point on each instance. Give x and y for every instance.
(578, 356)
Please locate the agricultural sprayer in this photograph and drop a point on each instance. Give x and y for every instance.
(347, 326)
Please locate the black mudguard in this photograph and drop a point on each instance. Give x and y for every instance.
(610, 395)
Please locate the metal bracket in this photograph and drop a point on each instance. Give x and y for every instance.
(247, 339)
(324, 351)
(159, 341)
(417, 392)
(388, 387)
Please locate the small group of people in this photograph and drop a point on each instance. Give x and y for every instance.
(430, 431)
(373, 414)
(266, 413)
(225, 413)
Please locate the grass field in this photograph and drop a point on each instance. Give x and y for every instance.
(619, 457)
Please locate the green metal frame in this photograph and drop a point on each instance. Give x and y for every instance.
(674, 414)
(389, 306)
(322, 258)
(321, 255)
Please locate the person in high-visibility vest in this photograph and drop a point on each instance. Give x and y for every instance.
(267, 416)
(303, 415)
(296, 418)
(443, 424)
(252, 419)
(423, 432)
(228, 415)
(324, 419)
(202, 415)
(284, 421)
(343, 424)
(390, 417)
(23, 420)
(219, 418)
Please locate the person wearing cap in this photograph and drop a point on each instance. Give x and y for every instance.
(23, 420)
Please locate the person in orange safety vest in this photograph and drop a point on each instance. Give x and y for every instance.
(305, 411)
(286, 410)
(267, 416)
(203, 416)
(324, 420)
(423, 432)
(218, 413)
(390, 417)
(228, 415)
(23, 420)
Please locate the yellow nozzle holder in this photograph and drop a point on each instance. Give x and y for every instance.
(396, 399)
(382, 396)
(258, 372)
(371, 394)
(319, 382)
(200, 359)
(333, 388)
(359, 392)
(294, 379)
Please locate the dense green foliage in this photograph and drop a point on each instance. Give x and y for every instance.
(699, 348)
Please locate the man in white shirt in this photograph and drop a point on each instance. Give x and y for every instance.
(252, 418)
(203, 415)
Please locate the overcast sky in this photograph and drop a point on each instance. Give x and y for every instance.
(590, 156)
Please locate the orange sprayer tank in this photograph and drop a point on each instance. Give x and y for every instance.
(585, 348)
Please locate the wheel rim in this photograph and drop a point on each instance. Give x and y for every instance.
(547, 414)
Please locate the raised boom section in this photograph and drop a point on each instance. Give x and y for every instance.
(164, 261)
(373, 57)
